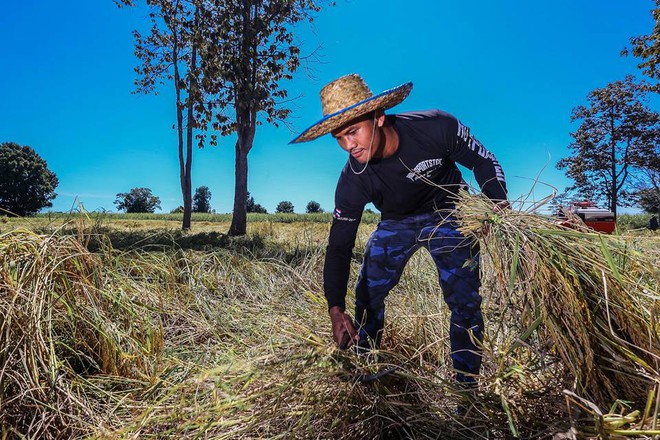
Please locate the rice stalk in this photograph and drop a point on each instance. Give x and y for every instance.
(595, 295)
(266, 366)
(59, 324)
(246, 352)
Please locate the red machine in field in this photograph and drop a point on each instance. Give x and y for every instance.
(598, 219)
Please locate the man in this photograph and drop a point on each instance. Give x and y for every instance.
(405, 165)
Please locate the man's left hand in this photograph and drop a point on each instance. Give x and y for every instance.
(499, 208)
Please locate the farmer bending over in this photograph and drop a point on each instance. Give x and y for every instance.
(405, 164)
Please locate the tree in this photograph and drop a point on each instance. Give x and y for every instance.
(222, 55)
(252, 206)
(284, 207)
(202, 199)
(647, 191)
(649, 200)
(646, 182)
(137, 200)
(26, 183)
(251, 51)
(313, 207)
(171, 52)
(616, 133)
(647, 47)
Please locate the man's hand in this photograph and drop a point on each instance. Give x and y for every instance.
(501, 206)
(498, 209)
(343, 331)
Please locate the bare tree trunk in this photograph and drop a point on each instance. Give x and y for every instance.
(239, 218)
(614, 187)
(186, 183)
(184, 177)
(243, 146)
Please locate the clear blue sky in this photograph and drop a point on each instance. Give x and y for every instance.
(511, 70)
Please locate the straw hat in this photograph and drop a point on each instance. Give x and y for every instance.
(347, 98)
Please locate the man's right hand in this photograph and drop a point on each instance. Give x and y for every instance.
(343, 330)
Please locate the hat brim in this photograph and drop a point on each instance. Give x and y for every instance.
(384, 100)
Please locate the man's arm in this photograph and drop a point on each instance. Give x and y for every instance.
(350, 200)
(466, 150)
(336, 271)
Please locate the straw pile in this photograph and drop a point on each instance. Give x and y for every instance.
(259, 362)
(594, 296)
(235, 343)
(59, 325)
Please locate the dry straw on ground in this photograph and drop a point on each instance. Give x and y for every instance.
(235, 342)
(60, 326)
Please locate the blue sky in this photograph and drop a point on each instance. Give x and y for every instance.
(511, 70)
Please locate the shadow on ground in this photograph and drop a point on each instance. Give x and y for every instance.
(255, 246)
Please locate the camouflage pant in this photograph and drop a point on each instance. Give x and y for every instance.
(456, 257)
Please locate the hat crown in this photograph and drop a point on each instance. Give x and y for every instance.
(344, 92)
(348, 98)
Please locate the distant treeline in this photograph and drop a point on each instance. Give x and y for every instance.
(323, 217)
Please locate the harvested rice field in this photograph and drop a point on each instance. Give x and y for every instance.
(116, 330)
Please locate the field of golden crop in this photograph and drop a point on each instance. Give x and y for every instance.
(129, 328)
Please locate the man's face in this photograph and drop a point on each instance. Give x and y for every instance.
(355, 137)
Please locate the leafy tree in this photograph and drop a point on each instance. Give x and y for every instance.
(177, 210)
(26, 183)
(170, 52)
(226, 59)
(284, 207)
(202, 199)
(649, 200)
(313, 207)
(647, 180)
(647, 47)
(612, 143)
(647, 194)
(137, 200)
(252, 206)
(250, 51)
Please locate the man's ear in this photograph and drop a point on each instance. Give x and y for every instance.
(380, 117)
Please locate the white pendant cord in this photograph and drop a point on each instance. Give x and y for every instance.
(373, 132)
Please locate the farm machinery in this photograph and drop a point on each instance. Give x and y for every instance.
(598, 219)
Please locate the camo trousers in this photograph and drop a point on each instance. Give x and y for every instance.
(388, 250)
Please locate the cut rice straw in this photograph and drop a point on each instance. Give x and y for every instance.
(58, 324)
(595, 295)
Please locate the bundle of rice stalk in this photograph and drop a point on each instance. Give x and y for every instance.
(594, 296)
(59, 324)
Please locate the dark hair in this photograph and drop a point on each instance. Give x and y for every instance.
(367, 116)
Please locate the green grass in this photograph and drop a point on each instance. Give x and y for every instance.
(628, 222)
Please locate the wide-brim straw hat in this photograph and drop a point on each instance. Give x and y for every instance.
(348, 98)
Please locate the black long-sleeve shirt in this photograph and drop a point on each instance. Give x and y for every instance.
(420, 177)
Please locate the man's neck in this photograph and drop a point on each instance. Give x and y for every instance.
(391, 141)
